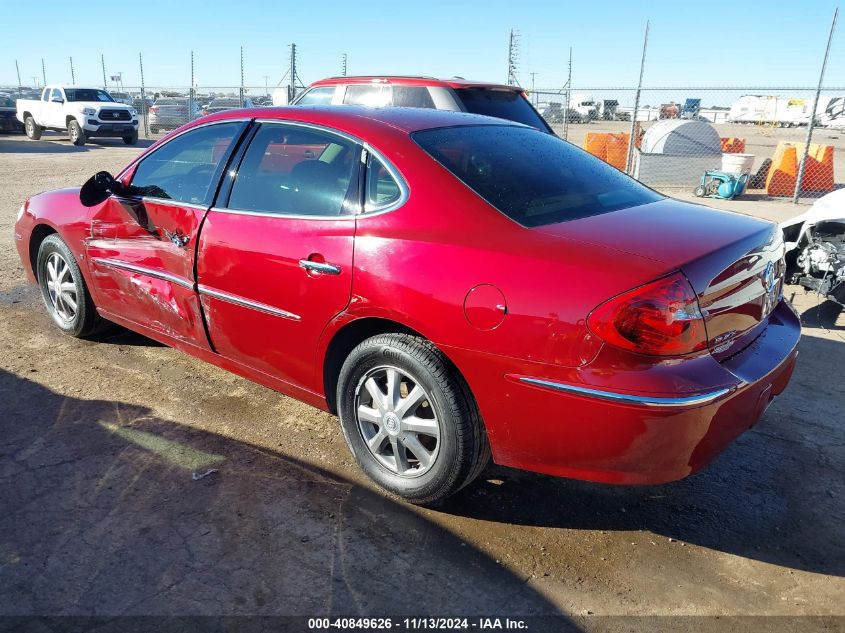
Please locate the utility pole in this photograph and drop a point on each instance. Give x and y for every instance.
(242, 78)
(266, 89)
(72, 75)
(103, 64)
(533, 94)
(43, 72)
(18, 70)
(292, 73)
(513, 55)
(343, 66)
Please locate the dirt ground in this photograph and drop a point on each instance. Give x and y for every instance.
(101, 515)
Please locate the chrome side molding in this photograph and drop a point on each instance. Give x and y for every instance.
(625, 398)
(247, 303)
(143, 270)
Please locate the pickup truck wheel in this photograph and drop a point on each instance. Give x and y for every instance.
(32, 129)
(63, 289)
(77, 134)
(132, 139)
(409, 419)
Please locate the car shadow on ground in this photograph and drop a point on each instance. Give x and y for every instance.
(776, 495)
(823, 315)
(61, 145)
(111, 510)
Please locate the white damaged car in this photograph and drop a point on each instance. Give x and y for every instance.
(815, 247)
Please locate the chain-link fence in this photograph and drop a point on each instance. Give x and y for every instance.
(753, 142)
(711, 142)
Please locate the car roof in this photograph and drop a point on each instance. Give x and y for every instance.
(412, 80)
(351, 118)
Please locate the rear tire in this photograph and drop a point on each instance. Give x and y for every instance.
(32, 129)
(76, 133)
(424, 443)
(132, 139)
(63, 289)
(699, 191)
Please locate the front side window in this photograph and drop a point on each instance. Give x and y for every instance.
(87, 94)
(532, 177)
(317, 96)
(370, 95)
(184, 169)
(294, 170)
(57, 94)
(382, 188)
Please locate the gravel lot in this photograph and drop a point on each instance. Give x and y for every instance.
(101, 514)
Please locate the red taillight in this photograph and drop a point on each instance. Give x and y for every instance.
(661, 318)
(154, 109)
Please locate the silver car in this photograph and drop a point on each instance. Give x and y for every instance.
(168, 113)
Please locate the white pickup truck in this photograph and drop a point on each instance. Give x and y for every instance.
(83, 112)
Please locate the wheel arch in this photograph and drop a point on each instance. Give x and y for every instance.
(348, 336)
(70, 118)
(39, 233)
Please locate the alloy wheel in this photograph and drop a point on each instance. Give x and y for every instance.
(61, 288)
(397, 421)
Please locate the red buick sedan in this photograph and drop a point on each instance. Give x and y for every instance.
(452, 286)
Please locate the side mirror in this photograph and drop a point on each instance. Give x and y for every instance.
(97, 188)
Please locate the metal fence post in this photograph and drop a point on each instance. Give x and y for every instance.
(144, 109)
(567, 98)
(812, 123)
(632, 139)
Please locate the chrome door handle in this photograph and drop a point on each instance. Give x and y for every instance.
(322, 268)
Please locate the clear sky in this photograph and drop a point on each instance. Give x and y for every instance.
(712, 43)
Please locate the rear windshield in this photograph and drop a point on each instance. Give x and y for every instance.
(502, 104)
(87, 94)
(171, 101)
(533, 178)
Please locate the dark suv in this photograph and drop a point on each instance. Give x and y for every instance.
(497, 100)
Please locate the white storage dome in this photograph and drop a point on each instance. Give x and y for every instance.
(677, 137)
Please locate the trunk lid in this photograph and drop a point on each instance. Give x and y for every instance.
(733, 262)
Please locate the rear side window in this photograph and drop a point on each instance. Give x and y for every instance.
(382, 188)
(317, 96)
(184, 169)
(532, 177)
(412, 97)
(502, 104)
(291, 170)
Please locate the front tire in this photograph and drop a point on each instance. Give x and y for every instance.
(32, 129)
(409, 418)
(63, 289)
(76, 133)
(132, 139)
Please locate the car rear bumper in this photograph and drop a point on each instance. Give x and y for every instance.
(547, 423)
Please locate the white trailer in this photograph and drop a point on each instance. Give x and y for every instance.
(772, 110)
